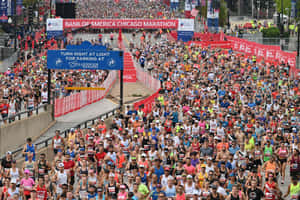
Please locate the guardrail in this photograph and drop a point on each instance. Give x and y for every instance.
(64, 133)
(26, 113)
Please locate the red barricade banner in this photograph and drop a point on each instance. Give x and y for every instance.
(129, 76)
(122, 23)
(78, 100)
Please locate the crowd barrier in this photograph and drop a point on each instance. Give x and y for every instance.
(150, 83)
(76, 101)
(129, 73)
(269, 53)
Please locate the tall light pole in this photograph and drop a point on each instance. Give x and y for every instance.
(15, 23)
(258, 8)
(298, 45)
(281, 30)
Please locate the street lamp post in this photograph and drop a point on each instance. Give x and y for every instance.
(15, 23)
(298, 45)
(258, 8)
(281, 25)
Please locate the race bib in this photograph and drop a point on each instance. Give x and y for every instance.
(268, 154)
(269, 195)
(295, 166)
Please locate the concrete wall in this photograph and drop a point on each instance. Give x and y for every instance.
(14, 135)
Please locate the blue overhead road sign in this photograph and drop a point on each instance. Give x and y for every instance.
(84, 59)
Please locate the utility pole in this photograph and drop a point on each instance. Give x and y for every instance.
(15, 24)
(281, 30)
(298, 45)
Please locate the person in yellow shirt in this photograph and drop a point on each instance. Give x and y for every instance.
(249, 144)
(202, 176)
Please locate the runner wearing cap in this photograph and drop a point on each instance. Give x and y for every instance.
(61, 177)
(27, 184)
(271, 189)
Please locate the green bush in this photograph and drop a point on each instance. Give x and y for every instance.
(273, 32)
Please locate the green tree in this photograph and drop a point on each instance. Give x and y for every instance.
(203, 10)
(223, 13)
(286, 4)
(30, 2)
(298, 11)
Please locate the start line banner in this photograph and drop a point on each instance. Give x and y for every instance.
(122, 23)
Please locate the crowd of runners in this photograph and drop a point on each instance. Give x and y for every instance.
(122, 9)
(224, 126)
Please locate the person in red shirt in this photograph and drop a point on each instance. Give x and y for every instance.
(41, 190)
(4, 110)
(180, 195)
(100, 155)
(69, 167)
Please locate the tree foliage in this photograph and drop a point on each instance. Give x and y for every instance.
(223, 13)
(286, 4)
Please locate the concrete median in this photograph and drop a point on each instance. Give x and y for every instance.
(13, 136)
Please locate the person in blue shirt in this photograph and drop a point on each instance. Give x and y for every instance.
(29, 149)
(158, 169)
(157, 192)
(233, 148)
(92, 194)
(142, 174)
(100, 194)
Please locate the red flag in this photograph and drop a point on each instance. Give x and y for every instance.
(159, 13)
(123, 9)
(117, 1)
(26, 46)
(120, 35)
(195, 12)
(136, 1)
(116, 14)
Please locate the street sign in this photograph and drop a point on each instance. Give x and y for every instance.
(86, 59)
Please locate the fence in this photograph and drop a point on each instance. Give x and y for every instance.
(64, 133)
(76, 101)
(290, 44)
(23, 114)
(150, 83)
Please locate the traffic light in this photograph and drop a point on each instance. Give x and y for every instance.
(30, 15)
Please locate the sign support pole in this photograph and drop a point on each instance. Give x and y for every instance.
(49, 91)
(121, 89)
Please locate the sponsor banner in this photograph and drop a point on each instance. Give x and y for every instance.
(121, 23)
(54, 34)
(185, 36)
(54, 24)
(213, 9)
(187, 5)
(185, 24)
(3, 10)
(84, 59)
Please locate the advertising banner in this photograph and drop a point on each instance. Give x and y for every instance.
(54, 28)
(122, 23)
(85, 59)
(3, 10)
(185, 24)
